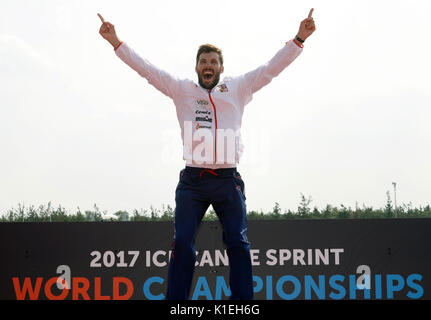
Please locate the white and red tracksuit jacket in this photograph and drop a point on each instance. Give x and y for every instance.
(210, 121)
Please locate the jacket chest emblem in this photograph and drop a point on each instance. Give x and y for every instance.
(223, 88)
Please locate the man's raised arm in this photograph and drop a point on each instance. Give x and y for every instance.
(160, 79)
(107, 31)
(258, 78)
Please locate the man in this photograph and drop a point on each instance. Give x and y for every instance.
(211, 110)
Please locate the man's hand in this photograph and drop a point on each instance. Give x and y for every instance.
(107, 31)
(307, 27)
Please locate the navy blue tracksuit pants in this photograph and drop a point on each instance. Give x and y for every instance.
(198, 189)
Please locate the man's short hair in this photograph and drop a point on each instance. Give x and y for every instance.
(207, 48)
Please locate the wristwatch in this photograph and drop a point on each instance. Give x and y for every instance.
(299, 39)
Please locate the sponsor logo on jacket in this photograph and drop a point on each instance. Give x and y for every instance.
(199, 126)
(203, 112)
(206, 118)
(202, 102)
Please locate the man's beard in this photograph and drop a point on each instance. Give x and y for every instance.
(212, 84)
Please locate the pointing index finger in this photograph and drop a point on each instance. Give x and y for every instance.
(311, 12)
(101, 18)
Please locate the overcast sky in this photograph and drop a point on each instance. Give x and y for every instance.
(350, 116)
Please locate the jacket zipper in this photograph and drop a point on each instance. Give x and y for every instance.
(215, 118)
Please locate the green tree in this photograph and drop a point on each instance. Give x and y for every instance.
(276, 211)
(304, 207)
(388, 211)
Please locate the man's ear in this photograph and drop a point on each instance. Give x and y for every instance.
(196, 69)
(222, 69)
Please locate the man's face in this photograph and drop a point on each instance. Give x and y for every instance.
(209, 69)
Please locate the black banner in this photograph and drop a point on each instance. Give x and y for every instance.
(375, 259)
